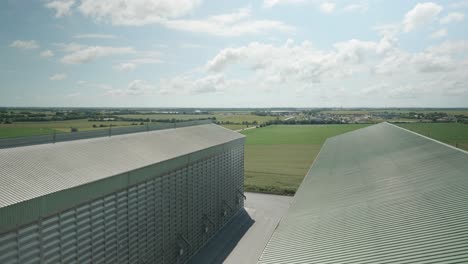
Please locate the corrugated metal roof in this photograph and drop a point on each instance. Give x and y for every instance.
(378, 195)
(34, 171)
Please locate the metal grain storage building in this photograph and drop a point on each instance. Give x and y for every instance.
(150, 197)
(377, 195)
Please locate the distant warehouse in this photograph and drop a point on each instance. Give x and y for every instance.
(378, 195)
(150, 197)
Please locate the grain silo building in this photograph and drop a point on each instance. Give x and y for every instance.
(381, 194)
(150, 197)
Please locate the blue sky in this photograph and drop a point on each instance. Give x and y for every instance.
(194, 53)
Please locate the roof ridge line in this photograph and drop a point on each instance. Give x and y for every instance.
(435, 140)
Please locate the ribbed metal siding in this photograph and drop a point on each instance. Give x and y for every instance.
(146, 223)
(378, 195)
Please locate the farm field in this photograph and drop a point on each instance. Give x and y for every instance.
(399, 111)
(220, 116)
(236, 127)
(278, 157)
(9, 132)
(19, 129)
(455, 134)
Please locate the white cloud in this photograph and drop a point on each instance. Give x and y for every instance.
(125, 67)
(94, 36)
(137, 12)
(46, 54)
(169, 13)
(134, 88)
(24, 44)
(450, 48)
(272, 3)
(452, 17)
(296, 63)
(361, 64)
(327, 7)
(189, 85)
(61, 7)
(361, 7)
(58, 77)
(459, 4)
(82, 54)
(144, 57)
(231, 24)
(420, 15)
(439, 33)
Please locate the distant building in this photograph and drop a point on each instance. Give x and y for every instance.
(150, 197)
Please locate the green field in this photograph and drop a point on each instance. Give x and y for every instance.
(278, 157)
(221, 117)
(399, 111)
(236, 127)
(9, 132)
(454, 134)
(19, 129)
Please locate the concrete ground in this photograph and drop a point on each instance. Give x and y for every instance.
(243, 239)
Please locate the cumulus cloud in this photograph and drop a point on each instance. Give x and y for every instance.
(302, 67)
(81, 54)
(360, 7)
(134, 88)
(183, 85)
(450, 48)
(170, 13)
(24, 44)
(271, 3)
(136, 12)
(94, 36)
(61, 7)
(297, 61)
(143, 57)
(420, 15)
(327, 7)
(46, 54)
(439, 33)
(230, 24)
(125, 67)
(452, 17)
(58, 77)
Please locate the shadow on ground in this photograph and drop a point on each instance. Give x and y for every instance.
(224, 242)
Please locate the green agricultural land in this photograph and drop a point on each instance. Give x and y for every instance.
(278, 157)
(455, 134)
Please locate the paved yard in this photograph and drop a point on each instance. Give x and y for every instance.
(243, 239)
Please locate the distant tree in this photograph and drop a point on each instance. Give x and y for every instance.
(94, 125)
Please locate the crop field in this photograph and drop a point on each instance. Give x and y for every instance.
(8, 132)
(455, 134)
(19, 129)
(236, 127)
(399, 111)
(278, 157)
(220, 116)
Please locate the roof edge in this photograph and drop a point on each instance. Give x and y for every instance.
(98, 133)
(435, 140)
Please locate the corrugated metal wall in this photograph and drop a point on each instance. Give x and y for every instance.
(163, 220)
